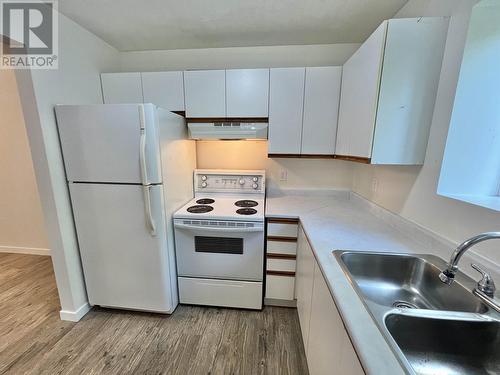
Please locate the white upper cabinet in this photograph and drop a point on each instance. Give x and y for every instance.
(286, 100)
(118, 88)
(164, 89)
(205, 92)
(388, 91)
(358, 103)
(321, 104)
(247, 92)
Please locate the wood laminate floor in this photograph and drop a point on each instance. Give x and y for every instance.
(193, 340)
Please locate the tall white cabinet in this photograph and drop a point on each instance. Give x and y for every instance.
(388, 91)
(303, 110)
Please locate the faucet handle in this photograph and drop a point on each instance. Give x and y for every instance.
(486, 284)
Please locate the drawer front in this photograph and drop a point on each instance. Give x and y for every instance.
(287, 265)
(212, 292)
(280, 287)
(281, 247)
(282, 230)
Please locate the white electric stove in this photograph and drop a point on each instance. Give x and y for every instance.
(219, 238)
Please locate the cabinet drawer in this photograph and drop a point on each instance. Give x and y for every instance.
(281, 247)
(280, 287)
(282, 229)
(287, 265)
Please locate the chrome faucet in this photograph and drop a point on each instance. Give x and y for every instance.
(485, 287)
(447, 276)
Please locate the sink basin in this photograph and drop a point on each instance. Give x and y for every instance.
(432, 328)
(451, 347)
(405, 281)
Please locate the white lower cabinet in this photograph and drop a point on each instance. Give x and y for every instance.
(327, 344)
(304, 283)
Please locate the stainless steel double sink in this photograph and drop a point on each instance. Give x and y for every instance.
(433, 328)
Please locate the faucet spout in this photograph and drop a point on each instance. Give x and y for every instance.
(447, 276)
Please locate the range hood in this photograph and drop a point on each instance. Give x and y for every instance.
(227, 130)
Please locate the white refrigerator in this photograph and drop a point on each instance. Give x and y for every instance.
(128, 167)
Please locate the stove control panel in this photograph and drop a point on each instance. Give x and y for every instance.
(215, 181)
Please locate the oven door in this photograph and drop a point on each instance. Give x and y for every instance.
(231, 250)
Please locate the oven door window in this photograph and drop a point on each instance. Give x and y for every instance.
(218, 245)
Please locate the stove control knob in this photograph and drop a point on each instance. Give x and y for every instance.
(241, 181)
(255, 179)
(203, 184)
(255, 186)
(203, 178)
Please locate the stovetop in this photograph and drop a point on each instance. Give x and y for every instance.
(223, 208)
(220, 194)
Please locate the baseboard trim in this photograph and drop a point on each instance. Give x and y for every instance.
(25, 250)
(75, 316)
(280, 302)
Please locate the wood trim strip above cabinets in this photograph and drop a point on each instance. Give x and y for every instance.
(301, 156)
(282, 239)
(281, 256)
(278, 220)
(357, 159)
(180, 113)
(281, 273)
(227, 119)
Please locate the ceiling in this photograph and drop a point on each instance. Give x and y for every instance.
(131, 25)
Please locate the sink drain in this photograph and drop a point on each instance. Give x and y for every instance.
(404, 305)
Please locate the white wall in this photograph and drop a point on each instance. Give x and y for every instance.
(237, 57)
(22, 228)
(82, 56)
(411, 191)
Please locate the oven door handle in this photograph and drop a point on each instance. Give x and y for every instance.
(219, 229)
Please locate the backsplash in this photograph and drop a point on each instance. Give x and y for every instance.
(281, 172)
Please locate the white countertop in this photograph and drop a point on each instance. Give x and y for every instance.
(342, 220)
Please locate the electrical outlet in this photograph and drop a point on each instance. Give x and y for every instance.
(283, 175)
(374, 185)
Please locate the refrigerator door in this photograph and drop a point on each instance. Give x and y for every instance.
(103, 143)
(125, 266)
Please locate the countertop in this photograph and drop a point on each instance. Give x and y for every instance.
(342, 220)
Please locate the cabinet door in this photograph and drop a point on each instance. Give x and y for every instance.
(120, 88)
(412, 65)
(321, 104)
(286, 101)
(349, 363)
(247, 92)
(304, 284)
(205, 93)
(164, 89)
(359, 96)
(326, 331)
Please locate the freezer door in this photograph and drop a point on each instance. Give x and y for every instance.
(125, 266)
(102, 143)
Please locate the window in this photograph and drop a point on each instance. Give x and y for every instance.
(471, 166)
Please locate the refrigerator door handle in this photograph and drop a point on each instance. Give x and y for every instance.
(142, 151)
(147, 207)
